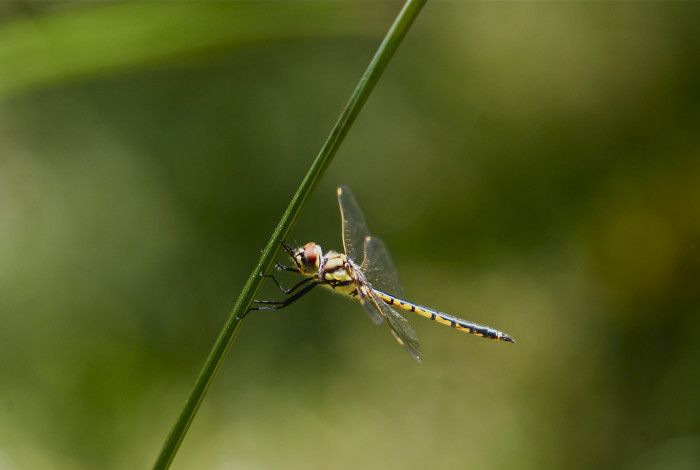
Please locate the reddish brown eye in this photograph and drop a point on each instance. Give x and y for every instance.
(310, 255)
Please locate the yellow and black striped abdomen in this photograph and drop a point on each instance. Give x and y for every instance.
(444, 318)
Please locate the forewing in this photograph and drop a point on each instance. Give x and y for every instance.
(354, 226)
(374, 314)
(400, 327)
(363, 294)
(378, 268)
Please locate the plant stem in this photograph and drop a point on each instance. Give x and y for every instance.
(230, 330)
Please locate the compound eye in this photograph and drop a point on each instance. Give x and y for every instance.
(310, 255)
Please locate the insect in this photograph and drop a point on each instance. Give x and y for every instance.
(366, 273)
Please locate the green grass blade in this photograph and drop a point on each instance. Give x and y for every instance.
(359, 96)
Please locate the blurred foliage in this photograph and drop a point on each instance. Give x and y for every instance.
(71, 41)
(532, 166)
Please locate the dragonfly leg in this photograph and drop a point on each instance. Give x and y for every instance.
(281, 267)
(276, 305)
(291, 289)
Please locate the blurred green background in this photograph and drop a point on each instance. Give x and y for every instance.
(532, 166)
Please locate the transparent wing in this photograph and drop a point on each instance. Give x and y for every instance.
(378, 268)
(375, 314)
(354, 226)
(399, 326)
(362, 290)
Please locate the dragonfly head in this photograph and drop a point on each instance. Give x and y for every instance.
(307, 258)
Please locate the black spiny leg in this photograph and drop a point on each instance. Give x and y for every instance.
(291, 269)
(291, 289)
(276, 305)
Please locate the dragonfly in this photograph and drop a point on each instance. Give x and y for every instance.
(365, 273)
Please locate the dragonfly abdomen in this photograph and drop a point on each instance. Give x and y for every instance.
(444, 318)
